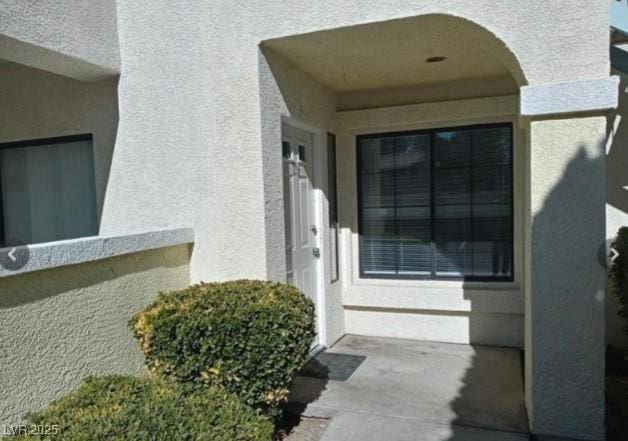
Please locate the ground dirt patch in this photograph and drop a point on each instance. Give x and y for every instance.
(294, 427)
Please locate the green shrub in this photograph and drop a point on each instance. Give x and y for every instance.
(618, 275)
(250, 337)
(127, 408)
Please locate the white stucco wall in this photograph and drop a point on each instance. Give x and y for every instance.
(62, 324)
(77, 38)
(190, 97)
(542, 57)
(163, 171)
(38, 104)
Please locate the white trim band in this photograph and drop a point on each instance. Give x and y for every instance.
(570, 97)
(87, 249)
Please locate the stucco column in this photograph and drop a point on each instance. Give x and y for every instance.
(566, 283)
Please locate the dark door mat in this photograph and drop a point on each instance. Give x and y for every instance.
(332, 366)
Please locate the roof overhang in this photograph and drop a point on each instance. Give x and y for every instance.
(398, 53)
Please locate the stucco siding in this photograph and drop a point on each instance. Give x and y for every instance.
(566, 295)
(62, 324)
(200, 107)
(190, 97)
(543, 57)
(236, 87)
(77, 38)
(166, 149)
(482, 329)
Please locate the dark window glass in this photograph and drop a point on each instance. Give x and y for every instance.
(302, 153)
(332, 197)
(436, 204)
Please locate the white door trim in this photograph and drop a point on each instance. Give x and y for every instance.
(321, 274)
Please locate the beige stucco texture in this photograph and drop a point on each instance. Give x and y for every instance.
(202, 94)
(62, 324)
(240, 106)
(566, 291)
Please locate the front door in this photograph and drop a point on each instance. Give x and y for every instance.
(301, 230)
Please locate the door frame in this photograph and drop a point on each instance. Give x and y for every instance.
(321, 275)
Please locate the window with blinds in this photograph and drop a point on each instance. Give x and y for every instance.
(437, 204)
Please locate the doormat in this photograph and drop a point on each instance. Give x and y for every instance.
(332, 366)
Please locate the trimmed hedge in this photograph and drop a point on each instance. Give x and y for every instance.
(618, 274)
(250, 337)
(126, 408)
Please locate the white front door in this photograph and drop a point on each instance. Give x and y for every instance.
(302, 252)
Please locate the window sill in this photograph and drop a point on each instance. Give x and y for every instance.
(87, 249)
(445, 284)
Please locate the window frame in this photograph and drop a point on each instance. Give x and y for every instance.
(332, 188)
(34, 143)
(431, 132)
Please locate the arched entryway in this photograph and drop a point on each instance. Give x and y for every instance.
(431, 233)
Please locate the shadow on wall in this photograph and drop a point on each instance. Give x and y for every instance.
(76, 319)
(29, 288)
(558, 225)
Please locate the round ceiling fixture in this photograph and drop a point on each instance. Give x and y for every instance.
(435, 59)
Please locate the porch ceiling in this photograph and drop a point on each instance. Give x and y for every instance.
(393, 53)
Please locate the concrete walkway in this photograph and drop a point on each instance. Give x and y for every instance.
(407, 390)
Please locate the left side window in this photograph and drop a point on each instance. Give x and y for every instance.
(47, 190)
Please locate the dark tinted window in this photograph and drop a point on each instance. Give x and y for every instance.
(436, 204)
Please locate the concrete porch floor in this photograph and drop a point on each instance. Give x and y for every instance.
(414, 390)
